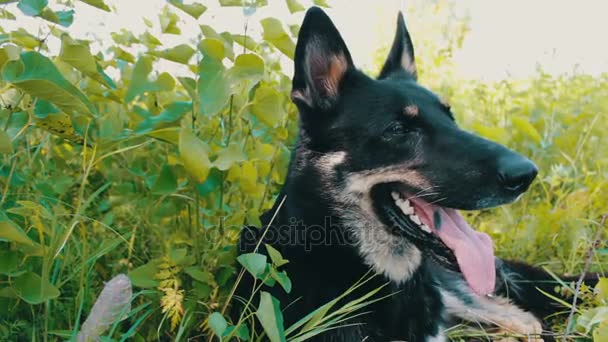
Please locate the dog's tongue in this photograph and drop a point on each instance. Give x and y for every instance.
(474, 251)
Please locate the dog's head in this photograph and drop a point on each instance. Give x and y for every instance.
(392, 148)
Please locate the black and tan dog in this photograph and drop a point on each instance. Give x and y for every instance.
(375, 181)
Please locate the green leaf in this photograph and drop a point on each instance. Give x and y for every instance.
(294, 6)
(275, 256)
(139, 80)
(321, 3)
(180, 53)
(32, 7)
(33, 289)
(213, 48)
(149, 40)
(195, 10)
(270, 316)
(248, 67)
(20, 37)
(6, 15)
(144, 276)
(63, 18)
(97, 3)
(79, 56)
(6, 145)
(165, 182)
(12, 232)
(276, 35)
(229, 156)
(9, 262)
(168, 21)
(253, 262)
(524, 126)
(212, 86)
(218, 324)
(281, 278)
(242, 331)
(170, 114)
(38, 76)
(267, 106)
(193, 154)
(203, 276)
(602, 290)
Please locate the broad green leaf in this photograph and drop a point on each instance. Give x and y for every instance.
(242, 331)
(195, 10)
(213, 48)
(524, 126)
(276, 35)
(139, 80)
(20, 37)
(497, 134)
(218, 324)
(211, 184)
(275, 256)
(33, 289)
(193, 154)
(97, 3)
(602, 290)
(168, 21)
(281, 278)
(79, 56)
(38, 76)
(245, 41)
(170, 114)
(321, 3)
(180, 53)
(267, 106)
(294, 6)
(225, 38)
(6, 145)
(63, 18)
(10, 231)
(32, 7)
(203, 276)
(149, 40)
(229, 156)
(253, 262)
(249, 67)
(6, 15)
(125, 37)
(9, 262)
(122, 54)
(189, 84)
(47, 116)
(270, 316)
(165, 183)
(213, 87)
(145, 275)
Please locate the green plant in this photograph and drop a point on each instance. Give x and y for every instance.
(108, 166)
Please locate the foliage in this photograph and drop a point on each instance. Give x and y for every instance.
(108, 166)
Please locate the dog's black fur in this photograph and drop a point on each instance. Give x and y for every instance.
(361, 138)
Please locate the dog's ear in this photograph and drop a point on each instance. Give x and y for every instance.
(321, 62)
(401, 57)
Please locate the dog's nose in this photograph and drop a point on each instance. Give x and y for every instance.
(516, 173)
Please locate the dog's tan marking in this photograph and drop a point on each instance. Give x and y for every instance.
(362, 182)
(411, 110)
(496, 311)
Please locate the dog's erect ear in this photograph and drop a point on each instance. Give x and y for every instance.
(321, 61)
(401, 57)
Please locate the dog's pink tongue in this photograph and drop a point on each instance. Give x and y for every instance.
(474, 250)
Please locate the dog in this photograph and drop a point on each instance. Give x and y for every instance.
(376, 179)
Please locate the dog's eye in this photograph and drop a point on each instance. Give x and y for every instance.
(396, 129)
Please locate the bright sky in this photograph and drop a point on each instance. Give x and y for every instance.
(508, 38)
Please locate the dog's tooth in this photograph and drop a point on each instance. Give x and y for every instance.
(407, 203)
(405, 208)
(425, 228)
(415, 219)
(396, 196)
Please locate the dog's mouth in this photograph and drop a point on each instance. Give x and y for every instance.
(439, 232)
